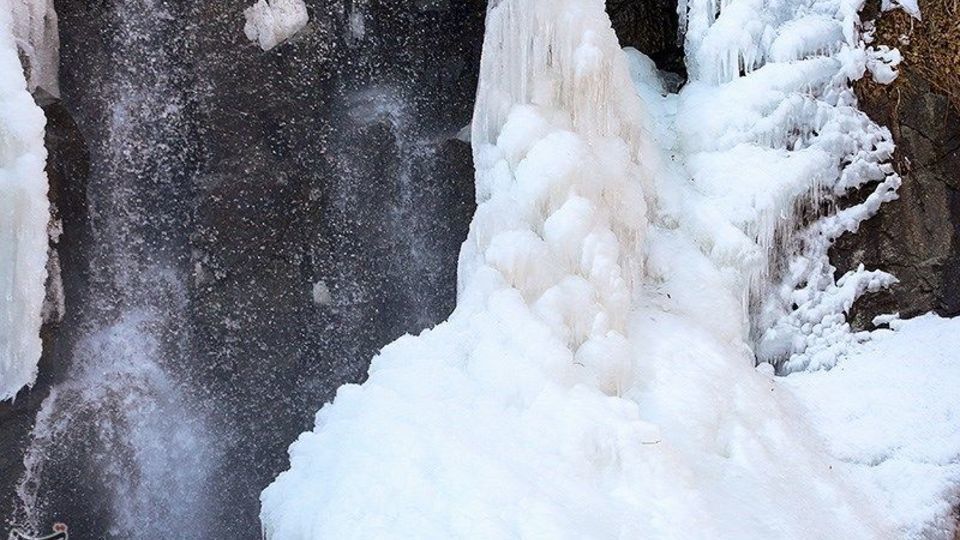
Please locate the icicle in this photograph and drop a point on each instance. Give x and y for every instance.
(771, 85)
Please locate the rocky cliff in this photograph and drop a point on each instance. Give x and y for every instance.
(917, 237)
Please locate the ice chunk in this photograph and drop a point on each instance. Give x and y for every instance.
(24, 215)
(271, 22)
(321, 294)
(910, 6)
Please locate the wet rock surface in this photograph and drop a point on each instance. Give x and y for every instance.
(226, 186)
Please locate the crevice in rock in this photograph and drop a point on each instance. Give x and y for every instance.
(653, 28)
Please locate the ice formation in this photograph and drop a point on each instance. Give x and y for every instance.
(597, 378)
(773, 138)
(24, 213)
(271, 22)
(38, 41)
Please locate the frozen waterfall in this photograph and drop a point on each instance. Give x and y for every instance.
(631, 249)
(24, 210)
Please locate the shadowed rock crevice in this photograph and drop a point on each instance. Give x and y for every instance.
(652, 27)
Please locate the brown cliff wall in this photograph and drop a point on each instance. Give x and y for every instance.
(917, 238)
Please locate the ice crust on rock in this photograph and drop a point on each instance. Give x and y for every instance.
(772, 137)
(597, 378)
(24, 213)
(271, 22)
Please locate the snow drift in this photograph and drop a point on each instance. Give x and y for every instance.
(630, 248)
(24, 213)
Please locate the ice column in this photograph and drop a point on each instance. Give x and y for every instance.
(24, 214)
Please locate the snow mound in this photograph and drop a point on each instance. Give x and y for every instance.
(891, 410)
(24, 214)
(271, 22)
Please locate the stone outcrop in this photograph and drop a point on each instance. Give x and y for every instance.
(652, 27)
(917, 238)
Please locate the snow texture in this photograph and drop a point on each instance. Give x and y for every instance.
(891, 410)
(271, 22)
(596, 379)
(24, 215)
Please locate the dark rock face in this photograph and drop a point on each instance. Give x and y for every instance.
(652, 27)
(917, 238)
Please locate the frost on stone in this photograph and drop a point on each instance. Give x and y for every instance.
(54, 305)
(24, 214)
(882, 62)
(38, 42)
(271, 22)
(910, 6)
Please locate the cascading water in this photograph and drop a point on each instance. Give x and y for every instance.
(121, 422)
(414, 153)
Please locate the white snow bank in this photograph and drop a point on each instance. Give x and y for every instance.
(24, 214)
(596, 378)
(892, 410)
(271, 22)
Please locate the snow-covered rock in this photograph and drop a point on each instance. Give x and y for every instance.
(773, 139)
